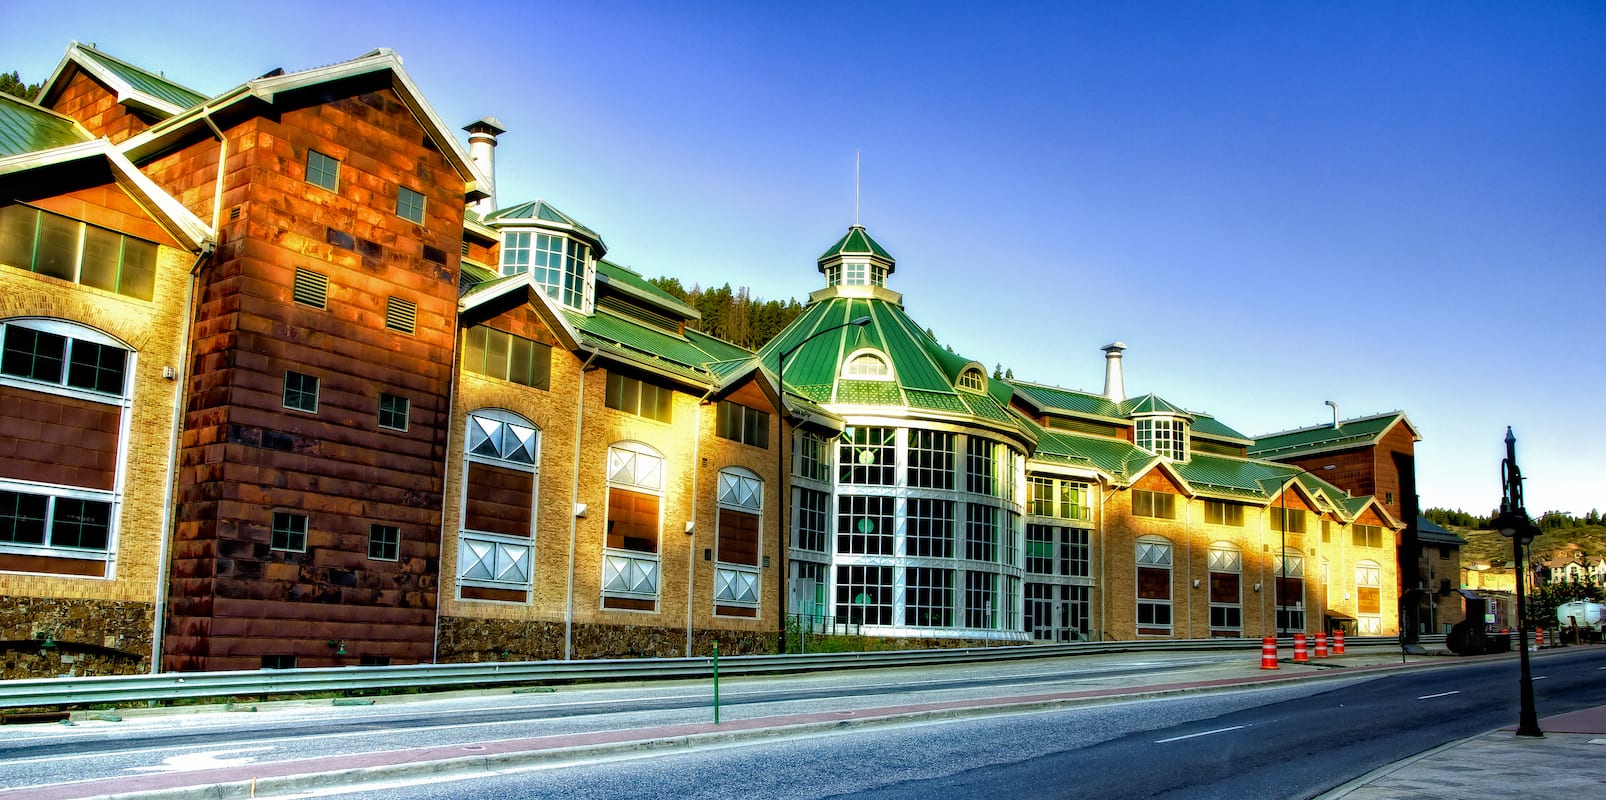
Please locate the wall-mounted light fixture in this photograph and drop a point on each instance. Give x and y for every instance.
(1257, 587)
(338, 646)
(1195, 583)
(580, 510)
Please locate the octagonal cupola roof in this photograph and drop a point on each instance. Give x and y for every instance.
(856, 266)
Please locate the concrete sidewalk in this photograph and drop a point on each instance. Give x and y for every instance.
(1568, 761)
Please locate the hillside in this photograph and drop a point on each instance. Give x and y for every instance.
(1486, 546)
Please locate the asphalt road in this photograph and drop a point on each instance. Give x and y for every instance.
(1284, 742)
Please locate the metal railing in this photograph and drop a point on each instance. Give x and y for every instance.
(89, 691)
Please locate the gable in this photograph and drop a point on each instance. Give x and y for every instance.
(96, 107)
(752, 395)
(1159, 480)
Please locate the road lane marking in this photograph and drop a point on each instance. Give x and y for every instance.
(1540, 677)
(1440, 694)
(1201, 733)
(189, 762)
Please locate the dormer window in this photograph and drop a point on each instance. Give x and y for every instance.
(973, 379)
(556, 263)
(1166, 437)
(867, 365)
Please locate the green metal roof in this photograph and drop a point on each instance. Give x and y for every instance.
(471, 275)
(1150, 404)
(1053, 398)
(632, 282)
(1114, 457)
(1206, 425)
(539, 210)
(27, 128)
(857, 241)
(1349, 433)
(144, 81)
(1429, 531)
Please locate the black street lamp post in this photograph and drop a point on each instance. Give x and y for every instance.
(1514, 523)
(781, 457)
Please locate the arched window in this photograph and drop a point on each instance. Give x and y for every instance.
(1226, 565)
(737, 542)
(973, 379)
(867, 365)
(496, 542)
(1154, 585)
(1368, 598)
(630, 558)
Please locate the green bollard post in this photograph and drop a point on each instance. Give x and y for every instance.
(716, 683)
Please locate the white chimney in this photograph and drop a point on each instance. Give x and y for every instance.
(1114, 384)
(482, 151)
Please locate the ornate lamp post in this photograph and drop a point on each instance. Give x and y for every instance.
(780, 394)
(1514, 524)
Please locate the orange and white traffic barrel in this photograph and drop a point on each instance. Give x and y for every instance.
(1268, 653)
(1338, 642)
(1300, 654)
(1321, 645)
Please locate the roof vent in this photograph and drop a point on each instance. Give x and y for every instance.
(482, 135)
(1114, 384)
(1333, 406)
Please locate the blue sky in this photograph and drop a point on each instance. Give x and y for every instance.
(1387, 205)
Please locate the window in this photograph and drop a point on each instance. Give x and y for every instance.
(1061, 552)
(979, 475)
(812, 457)
(813, 513)
(981, 600)
(289, 532)
(1057, 497)
(393, 412)
(557, 264)
(300, 392)
(929, 598)
(1226, 565)
(1289, 573)
(808, 591)
(1057, 613)
(402, 315)
(931, 459)
(31, 520)
(53, 245)
(1221, 512)
(500, 436)
(1369, 597)
(1287, 520)
(973, 379)
(737, 537)
(864, 595)
(1153, 504)
(742, 424)
(865, 456)
(1327, 531)
(323, 171)
(495, 548)
(63, 354)
(981, 532)
(384, 542)
(409, 205)
(929, 528)
(310, 288)
(639, 397)
(867, 366)
(630, 560)
(1368, 536)
(1154, 585)
(864, 525)
(1163, 436)
(503, 356)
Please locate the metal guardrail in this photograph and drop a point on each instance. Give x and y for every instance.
(70, 691)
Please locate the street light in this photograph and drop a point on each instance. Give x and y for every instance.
(1514, 524)
(780, 395)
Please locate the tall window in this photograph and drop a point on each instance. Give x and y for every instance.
(1369, 598)
(930, 528)
(495, 544)
(635, 493)
(1289, 570)
(929, 599)
(981, 600)
(813, 515)
(864, 525)
(64, 248)
(1165, 437)
(981, 532)
(323, 171)
(556, 263)
(812, 457)
(980, 477)
(1226, 565)
(742, 424)
(1154, 504)
(736, 575)
(504, 356)
(866, 456)
(931, 459)
(1154, 585)
(639, 397)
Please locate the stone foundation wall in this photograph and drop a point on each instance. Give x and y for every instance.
(466, 639)
(90, 637)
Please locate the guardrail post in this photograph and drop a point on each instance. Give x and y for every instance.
(716, 683)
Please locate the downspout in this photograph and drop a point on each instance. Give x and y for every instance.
(1104, 584)
(462, 487)
(691, 549)
(180, 398)
(574, 502)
